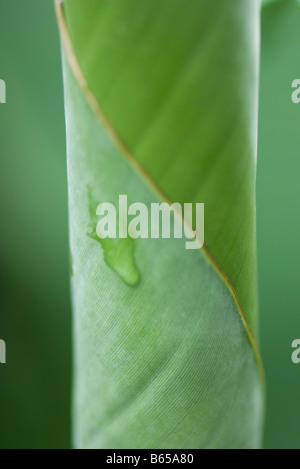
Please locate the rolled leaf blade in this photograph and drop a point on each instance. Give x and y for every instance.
(168, 361)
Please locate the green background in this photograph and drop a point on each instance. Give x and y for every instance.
(35, 311)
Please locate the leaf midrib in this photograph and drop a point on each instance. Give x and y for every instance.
(140, 170)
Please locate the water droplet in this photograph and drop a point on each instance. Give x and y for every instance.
(118, 253)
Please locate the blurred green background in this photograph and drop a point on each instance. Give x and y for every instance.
(35, 311)
(278, 192)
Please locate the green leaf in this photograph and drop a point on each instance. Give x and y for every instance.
(161, 105)
(267, 2)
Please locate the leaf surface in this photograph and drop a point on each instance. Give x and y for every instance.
(161, 105)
